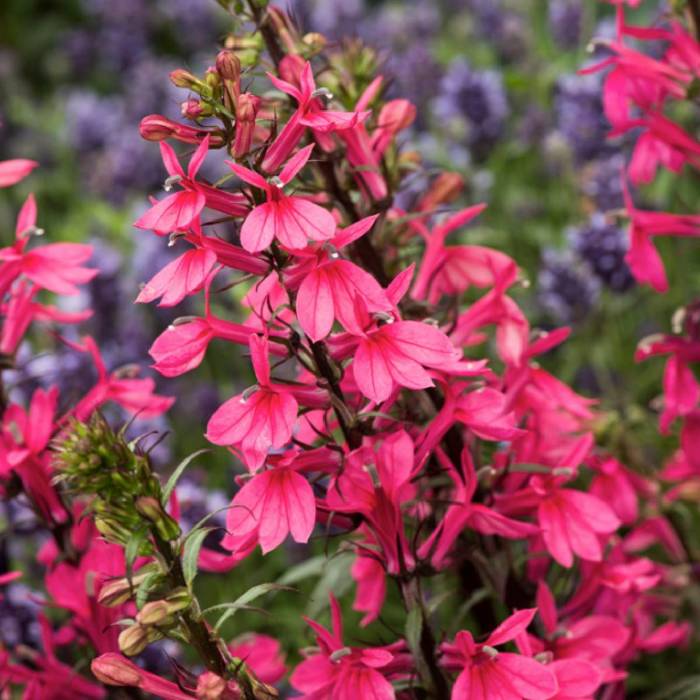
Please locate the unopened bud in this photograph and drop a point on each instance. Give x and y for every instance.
(156, 128)
(133, 640)
(119, 590)
(195, 109)
(246, 114)
(228, 65)
(178, 600)
(151, 508)
(184, 79)
(156, 612)
(113, 669)
(315, 41)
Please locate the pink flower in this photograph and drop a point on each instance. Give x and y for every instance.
(466, 514)
(486, 672)
(273, 504)
(183, 276)
(571, 522)
(179, 211)
(330, 286)
(133, 394)
(56, 266)
(486, 413)
(289, 219)
(12, 171)
(341, 672)
(181, 346)
(259, 420)
(309, 114)
(452, 269)
(397, 354)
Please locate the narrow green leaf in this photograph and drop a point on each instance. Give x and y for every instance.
(306, 569)
(190, 553)
(414, 626)
(175, 476)
(242, 601)
(131, 551)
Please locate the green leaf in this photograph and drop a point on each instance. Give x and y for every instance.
(242, 601)
(190, 553)
(131, 551)
(306, 569)
(174, 477)
(414, 626)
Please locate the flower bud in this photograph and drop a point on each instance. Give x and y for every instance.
(150, 508)
(315, 41)
(113, 669)
(154, 127)
(248, 106)
(228, 65)
(155, 612)
(195, 109)
(133, 640)
(184, 79)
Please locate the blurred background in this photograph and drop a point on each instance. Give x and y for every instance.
(499, 101)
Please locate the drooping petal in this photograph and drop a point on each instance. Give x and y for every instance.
(315, 307)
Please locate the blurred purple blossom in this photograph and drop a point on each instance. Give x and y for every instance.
(567, 289)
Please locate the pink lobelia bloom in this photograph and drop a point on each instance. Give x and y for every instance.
(44, 676)
(181, 210)
(466, 514)
(452, 269)
(259, 420)
(331, 284)
(397, 353)
(681, 389)
(56, 266)
(21, 310)
(486, 412)
(341, 672)
(23, 443)
(183, 276)
(362, 156)
(136, 395)
(181, 347)
(289, 219)
(353, 491)
(488, 673)
(309, 114)
(273, 504)
(12, 171)
(571, 521)
(642, 257)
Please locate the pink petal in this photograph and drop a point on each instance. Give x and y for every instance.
(315, 305)
(371, 371)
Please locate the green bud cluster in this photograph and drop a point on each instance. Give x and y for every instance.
(124, 494)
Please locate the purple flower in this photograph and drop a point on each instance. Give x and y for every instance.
(566, 287)
(601, 181)
(579, 116)
(472, 106)
(565, 22)
(603, 246)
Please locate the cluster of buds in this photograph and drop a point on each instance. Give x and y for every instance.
(155, 620)
(124, 494)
